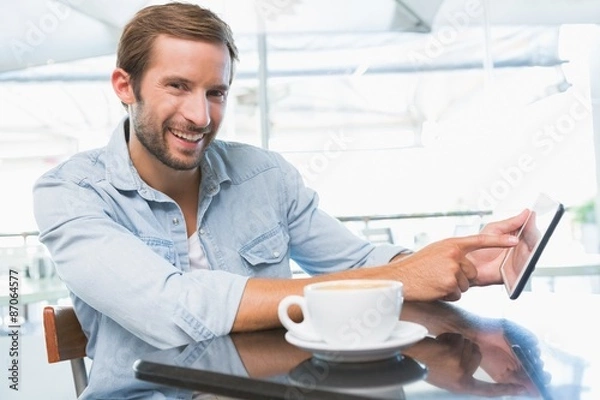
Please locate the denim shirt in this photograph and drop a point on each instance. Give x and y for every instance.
(121, 248)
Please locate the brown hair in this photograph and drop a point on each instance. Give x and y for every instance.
(181, 20)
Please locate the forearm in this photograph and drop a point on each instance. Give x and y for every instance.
(261, 297)
(438, 316)
(255, 351)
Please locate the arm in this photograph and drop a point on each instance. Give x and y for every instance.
(440, 270)
(128, 270)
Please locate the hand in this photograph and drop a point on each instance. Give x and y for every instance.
(471, 342)
(442, 269)
(488, 260)
(451, 360)
(500, 362)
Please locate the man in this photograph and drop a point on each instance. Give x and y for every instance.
(168, 236)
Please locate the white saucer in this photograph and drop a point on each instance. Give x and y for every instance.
(405, 334)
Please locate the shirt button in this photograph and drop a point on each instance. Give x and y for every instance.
(201, 231)
(275, 254)
(175, 221)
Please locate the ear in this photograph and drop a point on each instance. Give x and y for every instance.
(122, 86)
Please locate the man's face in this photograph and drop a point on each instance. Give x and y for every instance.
(183, 96)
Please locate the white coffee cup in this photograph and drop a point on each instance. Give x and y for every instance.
(345, 313)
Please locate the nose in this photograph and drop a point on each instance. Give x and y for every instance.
(196, 109)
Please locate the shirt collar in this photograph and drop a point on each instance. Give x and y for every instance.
(120, 171)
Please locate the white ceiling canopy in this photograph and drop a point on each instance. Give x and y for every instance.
(42, 32)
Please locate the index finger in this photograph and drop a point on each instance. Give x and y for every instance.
(482, 240)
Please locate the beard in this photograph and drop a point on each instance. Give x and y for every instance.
(154, 139)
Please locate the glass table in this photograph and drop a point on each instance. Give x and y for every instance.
(542, 345)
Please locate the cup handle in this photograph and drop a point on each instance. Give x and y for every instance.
(303, 330)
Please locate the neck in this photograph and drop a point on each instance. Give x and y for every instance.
(178, 185)
(174, 183)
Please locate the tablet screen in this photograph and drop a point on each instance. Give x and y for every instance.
(520, 261)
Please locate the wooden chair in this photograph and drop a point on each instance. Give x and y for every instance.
(65, 340)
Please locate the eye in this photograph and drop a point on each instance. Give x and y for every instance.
(177, 85)
(219, 94)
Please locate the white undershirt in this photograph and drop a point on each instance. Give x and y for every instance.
(196, 252)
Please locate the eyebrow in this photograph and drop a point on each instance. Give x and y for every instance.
(223, 87)
(174, 78)
(170, 78)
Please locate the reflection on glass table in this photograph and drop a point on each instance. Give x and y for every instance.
(467, 354)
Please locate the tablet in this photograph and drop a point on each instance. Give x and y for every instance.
(520, 260)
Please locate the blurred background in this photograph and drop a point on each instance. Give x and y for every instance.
(413, 119)
(409, 107)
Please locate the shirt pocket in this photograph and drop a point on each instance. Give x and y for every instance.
(162, 247)
(268, 248)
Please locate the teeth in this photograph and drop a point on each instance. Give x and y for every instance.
(196, 137)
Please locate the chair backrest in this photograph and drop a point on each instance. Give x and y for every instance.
(65, 340)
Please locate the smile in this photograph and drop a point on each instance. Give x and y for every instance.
(190, 137)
